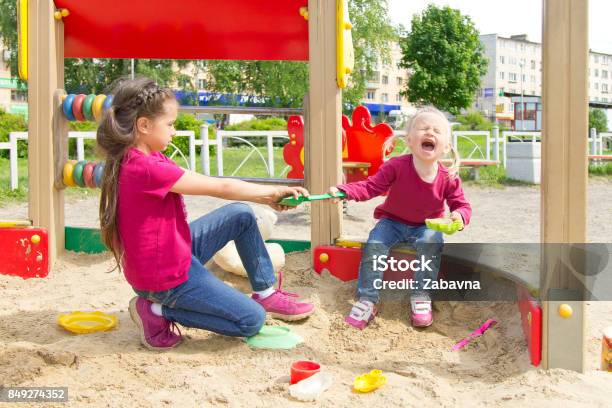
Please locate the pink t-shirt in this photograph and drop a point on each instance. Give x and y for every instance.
(410, 200)
(152, 222)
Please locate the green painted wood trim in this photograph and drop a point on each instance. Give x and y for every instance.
(290, 245)
(80, 239)
(88, 240)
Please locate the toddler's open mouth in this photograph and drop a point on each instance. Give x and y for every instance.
(428, 146)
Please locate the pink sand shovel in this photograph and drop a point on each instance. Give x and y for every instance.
(476, 333)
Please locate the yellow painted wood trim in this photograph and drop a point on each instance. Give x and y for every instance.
(22, 43)
(344, 44)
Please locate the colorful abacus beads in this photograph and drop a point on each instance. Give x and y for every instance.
(98, 172)
(88, 174)
(83, 107)
(83, 174)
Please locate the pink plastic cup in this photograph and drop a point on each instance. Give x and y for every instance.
(301, 370)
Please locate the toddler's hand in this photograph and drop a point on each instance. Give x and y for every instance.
(456, 216)
(334, 191)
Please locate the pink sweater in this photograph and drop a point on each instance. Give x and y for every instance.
(410, 200)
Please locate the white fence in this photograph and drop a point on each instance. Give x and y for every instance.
(241, 136)
(80, 137)
(597, 145)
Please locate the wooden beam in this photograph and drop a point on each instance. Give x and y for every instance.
(324, 155)
(45, 76)
(564, 176)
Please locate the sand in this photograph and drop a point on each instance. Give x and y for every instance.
(113, 369)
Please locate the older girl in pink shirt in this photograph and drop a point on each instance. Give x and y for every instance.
(144, 224)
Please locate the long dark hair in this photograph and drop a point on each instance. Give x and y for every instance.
(132, 99)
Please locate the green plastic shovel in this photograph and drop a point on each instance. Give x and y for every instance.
(293, 202)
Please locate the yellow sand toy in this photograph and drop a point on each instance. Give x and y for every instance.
(370, 381)
(444, 225)
(87, 322)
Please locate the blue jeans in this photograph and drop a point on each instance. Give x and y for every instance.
(388, 233)
(204, 301)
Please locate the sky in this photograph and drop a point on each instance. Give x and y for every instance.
(510, 17)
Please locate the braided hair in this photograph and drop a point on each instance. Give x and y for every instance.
(132, 99)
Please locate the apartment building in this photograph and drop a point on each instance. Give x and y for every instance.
(384, 87)
(12, 99)
(515, 69)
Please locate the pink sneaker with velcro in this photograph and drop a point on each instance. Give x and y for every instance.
(362, 313)
(284, 305)
(421, 313)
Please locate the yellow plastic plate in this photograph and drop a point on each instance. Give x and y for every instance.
(87, 322)
(370, 381)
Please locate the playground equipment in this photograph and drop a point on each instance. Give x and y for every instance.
(279, 31)
(83, 107)
(24, 249)
(362, 145)
(298, 36)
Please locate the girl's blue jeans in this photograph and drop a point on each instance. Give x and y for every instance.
(388, 233)
(204, 301)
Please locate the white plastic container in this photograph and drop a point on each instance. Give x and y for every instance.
(524, 161)
(312, 387)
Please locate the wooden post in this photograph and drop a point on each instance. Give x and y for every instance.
(324, 137)
(45, 76)
(564, 176)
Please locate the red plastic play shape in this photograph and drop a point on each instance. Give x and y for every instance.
(293, 152)
(364, 142)
(362, 145)
(187, 29)
(24, 252)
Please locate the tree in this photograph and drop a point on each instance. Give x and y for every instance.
(445, 57)
(598, 120)
(284, 83)
(474, 121)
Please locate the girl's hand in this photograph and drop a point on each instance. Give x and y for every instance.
(334, 191)
(285, 191)
(456, 216)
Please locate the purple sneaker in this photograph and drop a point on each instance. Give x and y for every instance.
(421, 314)
(362, 313)
(155, 331)
(283, 305)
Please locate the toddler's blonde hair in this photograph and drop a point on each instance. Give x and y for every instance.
(453, 169)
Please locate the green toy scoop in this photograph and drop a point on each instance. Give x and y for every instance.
(293, 202)
(444, 225)
(274, 337)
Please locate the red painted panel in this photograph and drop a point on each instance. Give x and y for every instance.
(186, 29)
(531, 319)
(21, 255)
